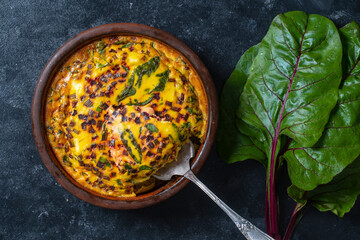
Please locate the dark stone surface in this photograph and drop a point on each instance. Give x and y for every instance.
(34, 206)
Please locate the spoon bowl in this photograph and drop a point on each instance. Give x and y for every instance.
(178, 167)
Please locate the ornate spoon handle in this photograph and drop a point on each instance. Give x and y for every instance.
(246, 228)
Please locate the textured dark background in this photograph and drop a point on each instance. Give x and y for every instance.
(34, 206)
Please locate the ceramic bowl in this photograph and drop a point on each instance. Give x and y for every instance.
(163, 191)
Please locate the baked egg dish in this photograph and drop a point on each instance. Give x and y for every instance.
(119, 109)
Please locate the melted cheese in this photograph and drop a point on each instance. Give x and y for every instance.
(121, 108)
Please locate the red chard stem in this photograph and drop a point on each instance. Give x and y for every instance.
(294, 220)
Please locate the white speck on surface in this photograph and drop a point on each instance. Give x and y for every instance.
(339, 14)
(45, 213)
(17, 30)
(37, 169)
(72, 220)
(131, 5)
(269, 4)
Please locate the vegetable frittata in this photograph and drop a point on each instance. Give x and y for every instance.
(119, 109)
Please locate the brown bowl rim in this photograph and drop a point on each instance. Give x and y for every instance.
(51, 162)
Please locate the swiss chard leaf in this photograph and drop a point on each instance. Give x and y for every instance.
(151, 127)
(342, 133)
(145, 167)
(340, 144)
(232, 145)
(338, 196)
(127, 45)
(164, 76)
(291, 90)
(146, 68)
(128, 91)
(137, 103)
(293, 82)
(100, 47)
(127, 136)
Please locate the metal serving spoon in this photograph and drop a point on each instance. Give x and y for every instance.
(181, 167)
